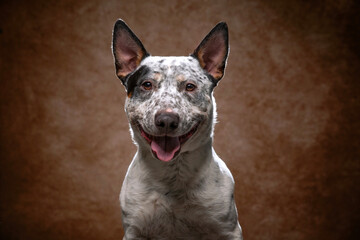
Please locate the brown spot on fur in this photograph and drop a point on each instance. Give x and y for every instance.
(180, 78)
(157, 76)
(121, 75)
(201, 59)
(218, 74)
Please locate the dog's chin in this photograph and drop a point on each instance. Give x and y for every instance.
(166, 148)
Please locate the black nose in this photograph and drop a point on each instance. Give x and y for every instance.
(166, 121)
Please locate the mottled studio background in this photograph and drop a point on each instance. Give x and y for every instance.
(289, 113)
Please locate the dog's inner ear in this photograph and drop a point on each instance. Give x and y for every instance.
(213, 51)
(127, 49)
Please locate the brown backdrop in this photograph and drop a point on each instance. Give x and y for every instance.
(288, 113)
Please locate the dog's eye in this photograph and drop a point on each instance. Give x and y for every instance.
(190, 87)
(147, 85)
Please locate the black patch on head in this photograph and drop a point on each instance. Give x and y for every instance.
(132, 79)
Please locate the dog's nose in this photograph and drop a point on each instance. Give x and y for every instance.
(166, 120)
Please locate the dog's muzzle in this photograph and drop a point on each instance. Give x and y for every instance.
(165, 147)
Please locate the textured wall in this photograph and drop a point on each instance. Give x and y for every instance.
(288, 113)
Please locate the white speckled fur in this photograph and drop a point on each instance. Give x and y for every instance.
(190, 197)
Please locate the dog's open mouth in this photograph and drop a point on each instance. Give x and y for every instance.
(165, 148)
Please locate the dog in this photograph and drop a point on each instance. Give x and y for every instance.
(176, 186)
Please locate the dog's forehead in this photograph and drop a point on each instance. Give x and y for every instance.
(186, 66)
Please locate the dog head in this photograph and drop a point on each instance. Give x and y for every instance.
(170, 106)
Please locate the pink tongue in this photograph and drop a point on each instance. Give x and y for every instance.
(165, 147)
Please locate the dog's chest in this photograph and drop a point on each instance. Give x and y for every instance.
(174, 214)
(184, 208)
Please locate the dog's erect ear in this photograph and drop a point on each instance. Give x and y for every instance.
(213, 51)
(127, 49)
